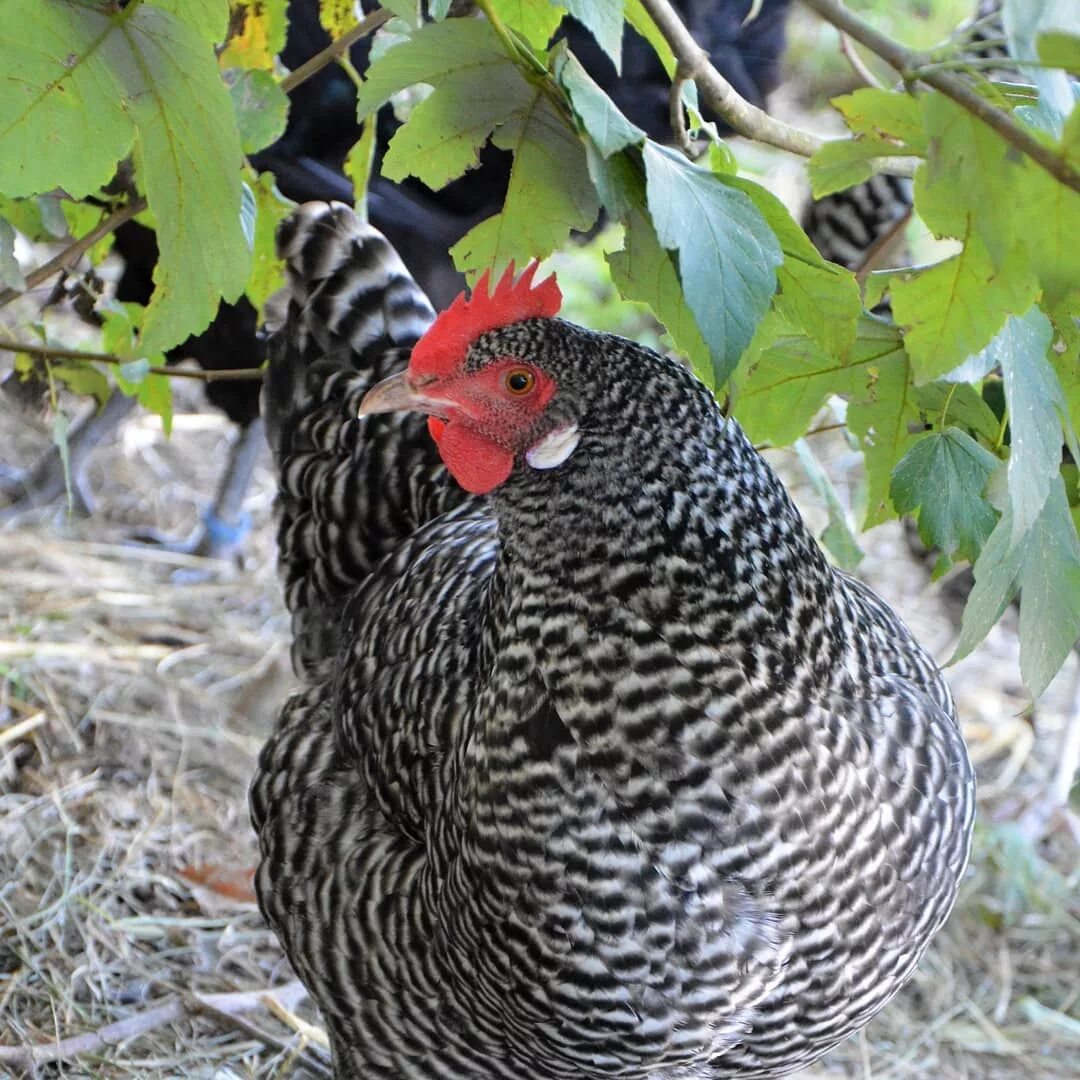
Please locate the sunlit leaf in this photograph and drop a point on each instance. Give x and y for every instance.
(727, 254)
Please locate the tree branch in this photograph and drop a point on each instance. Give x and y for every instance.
(910, 64)
(335, 49)
(52, 352)
(26, 1057)
(73, 252)
(718, 93)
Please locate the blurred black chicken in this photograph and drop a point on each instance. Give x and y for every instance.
(601, 770)
(422, 225)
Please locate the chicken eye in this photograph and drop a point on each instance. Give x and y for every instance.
(519, 381)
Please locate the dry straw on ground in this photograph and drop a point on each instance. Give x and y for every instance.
(136, 688)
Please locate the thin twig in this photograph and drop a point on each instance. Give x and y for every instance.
(53, 352)
(25, 1057)
(858, 65)
(678, 114)
(718, 93)
(910, 64)
(73, 252)
(335, 49)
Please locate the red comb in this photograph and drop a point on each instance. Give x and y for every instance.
(448, 338)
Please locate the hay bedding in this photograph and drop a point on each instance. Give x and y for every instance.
(136, 688)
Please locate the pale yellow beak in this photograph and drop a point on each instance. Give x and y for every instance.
(397, 394)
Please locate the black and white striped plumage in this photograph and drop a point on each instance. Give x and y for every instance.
(605, 774)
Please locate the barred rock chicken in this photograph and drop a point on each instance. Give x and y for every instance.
(600, 769)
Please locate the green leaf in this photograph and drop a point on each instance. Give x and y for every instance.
(960, 404)
(885, 417)
(1037, 411)
(535, 20)
(1059, 49)
(10, 273)
(151, 390)
(1045, 566)
(408, 10)
(604, 20)
(951, 310)
(599, 115)
(446, 130)
(837, 536)
(87, 380)
(478, 89)
(727, 254)
(818, 297)
(271, 208)
(942, 478)
(843, 163)
(359, 163)
(261, 107)
(1065, 356)
(62, 68)
(210, 18)
(186, 155)
(549, 193)
(431, 54)
(643, 270)
(99, 81)
(884, 114)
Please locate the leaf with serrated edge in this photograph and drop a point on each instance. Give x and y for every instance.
(604, 20)
(549, 192)
(643, 270)
(535, 20)
(600, 116)
(1037, 410)
(186, 157)
(942, 478)
(885, 417)
(883, 113)
(428, 56)
(148, 76)
(727, 254)
(446, 130)
(843, 163)
(814, 295)
(66, 80)
(952, 310)
(1045, 567)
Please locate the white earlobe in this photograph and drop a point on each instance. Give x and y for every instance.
(554, 448)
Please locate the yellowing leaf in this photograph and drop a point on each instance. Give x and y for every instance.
(256, 33)
(337, 16)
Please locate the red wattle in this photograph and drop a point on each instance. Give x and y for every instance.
(476, 463)
(436, 426)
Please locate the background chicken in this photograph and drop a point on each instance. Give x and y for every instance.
(607, 771)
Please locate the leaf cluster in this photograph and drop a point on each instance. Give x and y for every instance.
(964, 401)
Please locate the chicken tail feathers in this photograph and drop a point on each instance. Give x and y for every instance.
(350, 490)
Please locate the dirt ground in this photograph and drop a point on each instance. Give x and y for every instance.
(136, 688)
